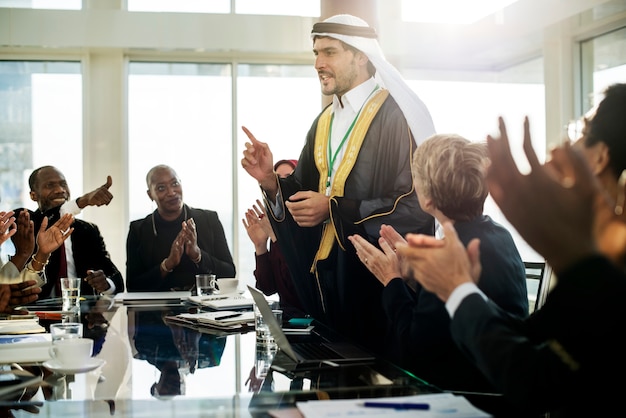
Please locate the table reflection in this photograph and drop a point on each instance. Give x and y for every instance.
(149, 359)
(176, 351)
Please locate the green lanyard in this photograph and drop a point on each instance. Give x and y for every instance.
(333, 156)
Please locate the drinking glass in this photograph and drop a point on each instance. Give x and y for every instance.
(70, 292)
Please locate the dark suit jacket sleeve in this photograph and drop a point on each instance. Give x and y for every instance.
(140, 278)
(399, 304)
(216, 256)
(90, 253)
(555, 354)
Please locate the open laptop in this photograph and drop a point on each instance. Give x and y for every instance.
(330, 353)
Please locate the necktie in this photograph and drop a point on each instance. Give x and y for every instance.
(62, 269)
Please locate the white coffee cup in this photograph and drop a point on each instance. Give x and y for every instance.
(227, 284)
(72, 353)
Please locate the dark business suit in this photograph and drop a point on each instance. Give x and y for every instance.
(568, 357)
(146, 249)
(89, 253)
(419, 323)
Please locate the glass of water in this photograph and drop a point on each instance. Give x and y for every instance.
(66, 330)
(70, 292)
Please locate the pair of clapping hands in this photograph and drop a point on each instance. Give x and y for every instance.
(21, 230)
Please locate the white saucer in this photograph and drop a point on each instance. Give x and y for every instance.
(55, 366)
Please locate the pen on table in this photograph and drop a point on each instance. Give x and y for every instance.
(219, 318)
(401, 406)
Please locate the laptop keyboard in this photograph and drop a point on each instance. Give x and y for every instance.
(314, 351)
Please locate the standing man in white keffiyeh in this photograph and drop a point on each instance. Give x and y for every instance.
(353, 175)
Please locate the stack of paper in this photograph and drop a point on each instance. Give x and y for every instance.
(25, 348)
(20, 326)
(222, 302)
(223, 320)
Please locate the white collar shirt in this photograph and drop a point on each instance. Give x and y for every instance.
(353, 101)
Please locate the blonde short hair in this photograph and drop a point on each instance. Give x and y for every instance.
(450, 170)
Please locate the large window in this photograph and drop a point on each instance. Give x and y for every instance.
(43, 4)
(179, 114)
(603, 61)
(473, 112)
(40, 124)
(277, 103)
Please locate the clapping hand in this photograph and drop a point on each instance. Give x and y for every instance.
(440, 265)
(555, 211)
(254, 227)
(49, 239)
(383, 264)
(190, 239)
(12, 295)
(259, 209)
(8, 228)
(23, 240)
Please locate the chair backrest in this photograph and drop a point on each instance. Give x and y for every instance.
(538, 275)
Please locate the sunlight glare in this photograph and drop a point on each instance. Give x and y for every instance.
(450, 11)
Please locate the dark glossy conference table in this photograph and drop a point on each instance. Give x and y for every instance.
(158, 369)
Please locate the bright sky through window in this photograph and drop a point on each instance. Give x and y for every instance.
(450, 11)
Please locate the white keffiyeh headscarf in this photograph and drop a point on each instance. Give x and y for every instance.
(357, 33)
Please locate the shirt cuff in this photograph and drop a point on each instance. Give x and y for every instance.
(460, 293)
(277, 207)
(9, 273)
(111, 288)
(71, 206)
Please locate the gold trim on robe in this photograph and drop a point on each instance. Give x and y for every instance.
(322, 136)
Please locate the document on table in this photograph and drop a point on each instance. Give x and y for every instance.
(220, 318)
(20, 326)
(223, 302)
(25, 348)
(439, 405)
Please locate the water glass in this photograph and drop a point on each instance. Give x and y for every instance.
(70, 292)
(66, 330)
(205, 284)
(263, 362)
(264, 338)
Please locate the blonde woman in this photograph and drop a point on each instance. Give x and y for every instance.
(449, 178)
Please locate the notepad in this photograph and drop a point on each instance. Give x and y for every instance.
(20, 326)
(220, 318)
(223, 302)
